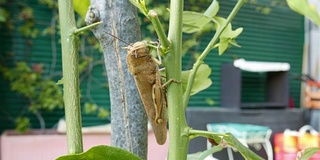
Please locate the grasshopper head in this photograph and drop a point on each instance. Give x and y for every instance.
(139, 49)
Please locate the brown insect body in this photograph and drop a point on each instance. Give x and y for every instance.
(146, 74)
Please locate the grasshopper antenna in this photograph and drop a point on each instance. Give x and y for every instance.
(117, 38)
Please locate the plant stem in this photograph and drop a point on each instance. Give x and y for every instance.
(212, 150)
(41, 121)
(179, 140)
(207, 134)
(153, 16)
(85, 28)
(69, 42)
(207, 50)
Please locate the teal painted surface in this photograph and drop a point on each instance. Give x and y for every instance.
(275, 37)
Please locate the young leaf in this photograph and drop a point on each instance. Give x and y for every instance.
(228, 32)
(233, 42)
(223, 45)
(212, 9)
(103, 113)
(210, 101)
(201, 81)
(245, 152)
(228, 35)
(194, 21)
(90, 108)
(141, 5)
(102, 153)
(81, 7)
(302, 7)
(308, 153)
(4, 15)
(60, 81)
(204, 154)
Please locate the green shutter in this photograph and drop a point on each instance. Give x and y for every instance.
(42, 50)
(276, 37)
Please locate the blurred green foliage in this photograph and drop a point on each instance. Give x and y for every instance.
(32, 80)
(22, 124)
(42, 93)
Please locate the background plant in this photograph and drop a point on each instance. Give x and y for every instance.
(42, 93)
(36, 81)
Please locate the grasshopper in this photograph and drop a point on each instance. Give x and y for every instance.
(145, 70)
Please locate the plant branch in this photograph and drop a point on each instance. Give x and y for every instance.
(193, 133)
(81, 30)
(42, 122)
(69, 42)
(153, 16)
(207, 50)
(212, 150)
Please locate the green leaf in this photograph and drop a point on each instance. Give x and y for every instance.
(245, 151)
(102, 153)
(60, 81)
(3, 15)
(103, 113)
(141, 5)
(223, 45)
(210, 101)
(302, 7)
(22, 124)
(308, 153)
(233, 42)
(194, 21)
(213, 9)
(90, 108)
(228, 32)
(231, 34)
(227, 36)
(81, 7)
(204, 154)
(201, 81)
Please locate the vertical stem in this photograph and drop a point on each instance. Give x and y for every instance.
(179, 141)
(69, 41)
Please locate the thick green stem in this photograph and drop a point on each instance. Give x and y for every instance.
(179, 140)
(207, 50)
(69, 42)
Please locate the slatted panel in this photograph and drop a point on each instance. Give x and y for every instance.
(277, 37)
(44, 50)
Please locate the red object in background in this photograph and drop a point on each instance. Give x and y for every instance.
(286, 146)
(291, 103)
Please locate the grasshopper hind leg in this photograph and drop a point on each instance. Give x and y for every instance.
(159, 101)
